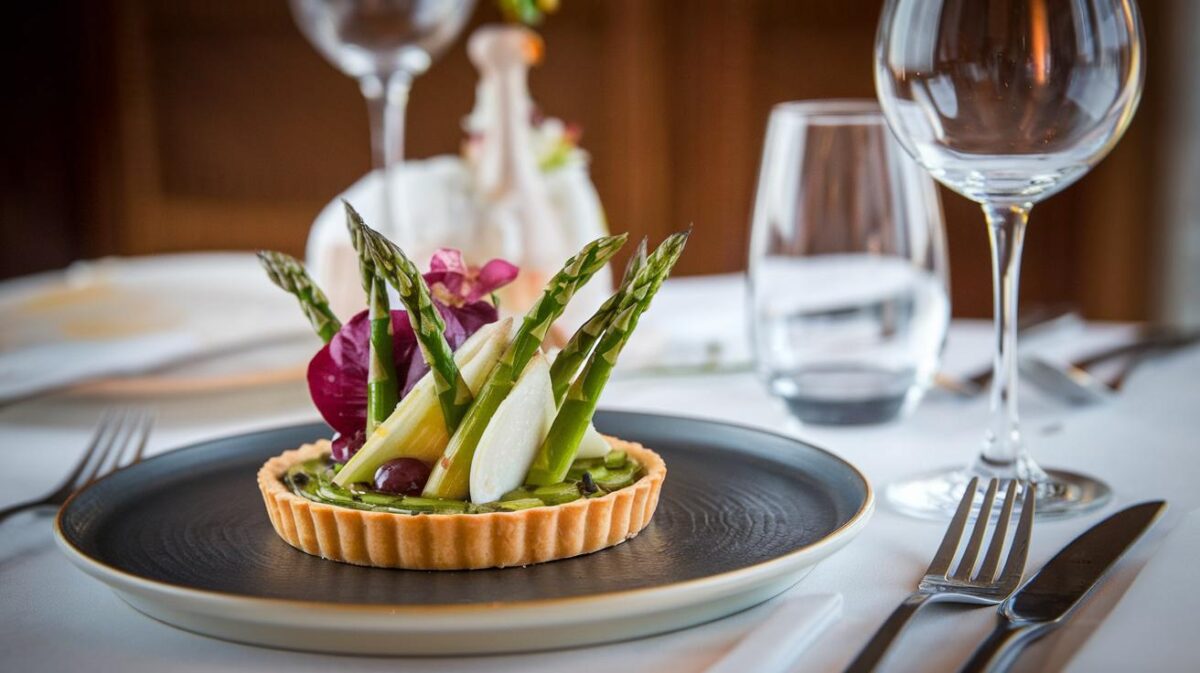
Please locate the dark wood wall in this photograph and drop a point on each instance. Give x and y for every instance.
(145, 126)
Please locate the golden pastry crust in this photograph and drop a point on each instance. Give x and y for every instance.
(459, 541)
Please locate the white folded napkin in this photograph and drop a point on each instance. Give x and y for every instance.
(45, 367)
(122, 316)
(774, 645)
(1153, 627)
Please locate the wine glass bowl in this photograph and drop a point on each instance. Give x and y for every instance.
(383, 44)
(1007, 102)
(375, 38)
(1009, 99)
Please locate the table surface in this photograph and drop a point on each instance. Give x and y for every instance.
(55, 618)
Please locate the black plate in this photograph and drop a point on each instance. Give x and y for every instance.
(734, 498)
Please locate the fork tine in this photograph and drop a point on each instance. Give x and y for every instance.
(945, 553)
(144, 425)
(127, 443)
(102, 455)
(102, 428)
(992, 559)
(971, 553)
(1014, 566)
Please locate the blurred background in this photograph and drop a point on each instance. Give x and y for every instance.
(143, 126)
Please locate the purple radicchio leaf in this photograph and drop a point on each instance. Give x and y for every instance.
(337, 374)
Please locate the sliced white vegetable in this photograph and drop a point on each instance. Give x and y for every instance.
(512, 438)
(416, 428)
(593, 444)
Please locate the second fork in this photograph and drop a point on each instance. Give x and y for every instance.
(964, 584)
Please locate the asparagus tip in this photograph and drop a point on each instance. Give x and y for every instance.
(352, 216)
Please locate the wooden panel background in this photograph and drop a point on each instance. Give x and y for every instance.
(188, 124)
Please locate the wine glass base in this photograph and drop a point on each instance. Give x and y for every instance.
(936, 495)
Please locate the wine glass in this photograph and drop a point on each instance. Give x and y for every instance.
(1007, 102)
(848, 305)
(383, 44)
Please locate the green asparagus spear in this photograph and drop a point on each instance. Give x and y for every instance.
(382, 380)
(390, 262)
(451, 473)
(571, 357)
(554, 458)
(288, 273)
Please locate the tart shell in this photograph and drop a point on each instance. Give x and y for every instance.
(459, 541)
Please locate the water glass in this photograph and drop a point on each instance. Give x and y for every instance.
(848, 301)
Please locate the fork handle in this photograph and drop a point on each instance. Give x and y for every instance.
(873, 652)
(21, 507)
(999, 652)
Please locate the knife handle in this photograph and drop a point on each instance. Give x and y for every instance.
(1000, 650)
(873, 652)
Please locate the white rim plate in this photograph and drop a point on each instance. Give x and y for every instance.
(494, 626)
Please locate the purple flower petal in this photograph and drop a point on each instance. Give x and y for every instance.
(447, 286)
(454, 283)
(475, 315)
(493, 276)
(448, 259)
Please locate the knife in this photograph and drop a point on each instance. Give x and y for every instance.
(1044, 601)
(1075, 385)
(1066, 382)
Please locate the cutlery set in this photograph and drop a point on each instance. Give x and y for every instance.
(1074, 382)
(1044, 601)
(984, 587)
(1026, 612)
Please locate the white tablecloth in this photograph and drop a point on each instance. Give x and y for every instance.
(54, 618)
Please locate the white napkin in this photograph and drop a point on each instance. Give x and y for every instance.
(32, 370)
(121, 316)
(774, 645)
(1153, 627)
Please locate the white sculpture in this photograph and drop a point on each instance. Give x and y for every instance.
(521, 191)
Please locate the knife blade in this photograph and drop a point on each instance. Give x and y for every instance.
(1066, 382)
(1047, 598)
(1073, 383)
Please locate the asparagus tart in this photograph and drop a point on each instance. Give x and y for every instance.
(459, 442)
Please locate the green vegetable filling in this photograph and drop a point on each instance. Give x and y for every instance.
(587, 478)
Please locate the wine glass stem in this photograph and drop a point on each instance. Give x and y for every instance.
(1003, 452)
(387, 102)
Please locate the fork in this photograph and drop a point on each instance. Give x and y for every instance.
(119, 441)
(985, 587)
